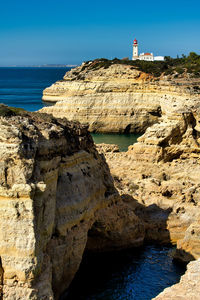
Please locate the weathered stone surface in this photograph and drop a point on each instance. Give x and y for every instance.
(116, 227)
(161, 171)
(57, 195)
(103, 148)
(190, 242)
(54, 186)
(116, 99)
(159, 175)
(187, 288)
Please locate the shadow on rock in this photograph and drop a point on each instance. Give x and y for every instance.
(126, 224)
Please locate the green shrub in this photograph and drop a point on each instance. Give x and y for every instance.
(190, 64)
(179, 70)
(6, 111)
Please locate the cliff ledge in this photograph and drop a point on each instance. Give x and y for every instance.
(116, 97)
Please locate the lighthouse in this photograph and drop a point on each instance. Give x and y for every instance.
(144, 56)
(135, 50)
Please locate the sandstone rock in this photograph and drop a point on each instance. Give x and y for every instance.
(57, 195)
(119, 98)
(187, 288)
(158, 177)
(116, 227)
(189, 246)
(161, 172)
(104, 148)
(54, 188)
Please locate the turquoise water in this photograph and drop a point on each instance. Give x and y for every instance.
(127, 275)
(122, 140)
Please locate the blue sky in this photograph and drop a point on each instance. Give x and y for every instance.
(69, 32)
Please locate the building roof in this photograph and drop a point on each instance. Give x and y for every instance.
(147, 53)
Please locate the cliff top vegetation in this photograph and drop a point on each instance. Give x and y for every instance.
(177, 66)
(6, 111)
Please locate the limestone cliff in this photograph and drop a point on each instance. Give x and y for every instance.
(158, 177)
(53, 187)
(119, 98)
(162, 171)
(57, 194)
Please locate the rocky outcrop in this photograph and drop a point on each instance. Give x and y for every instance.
(119, 98)
(54, 189)
(158, 177)
(187, 288)
(162, 171)
(57, 194)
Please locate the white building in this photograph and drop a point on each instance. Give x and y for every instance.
(161, 58)
(144, 56)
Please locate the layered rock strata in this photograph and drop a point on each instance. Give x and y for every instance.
(54, 188)
(158, 177)
(161, 172)
(117, 99)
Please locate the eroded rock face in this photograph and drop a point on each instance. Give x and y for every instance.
(53, 187)
(161, 172)
(187, 288)
(119, 98)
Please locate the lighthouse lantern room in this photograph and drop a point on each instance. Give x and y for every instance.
(135, 49)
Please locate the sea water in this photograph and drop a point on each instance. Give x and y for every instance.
(22, 87)
(122, 140)
(132, 274)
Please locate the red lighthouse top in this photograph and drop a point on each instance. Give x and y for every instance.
(135, 42)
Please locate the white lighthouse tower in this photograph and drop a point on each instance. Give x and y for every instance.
(135, 50)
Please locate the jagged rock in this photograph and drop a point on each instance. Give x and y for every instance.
(102, 148)
(54, 187)
(158, 177)
(187, 288)
(116, 227)
(162, 170)
(57, 195)
(189, 245)
(119, 98)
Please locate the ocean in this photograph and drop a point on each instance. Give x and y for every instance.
(22, 87)
(133, 274)
(127, 275)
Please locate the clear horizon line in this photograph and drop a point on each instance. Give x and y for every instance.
(39, 65)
